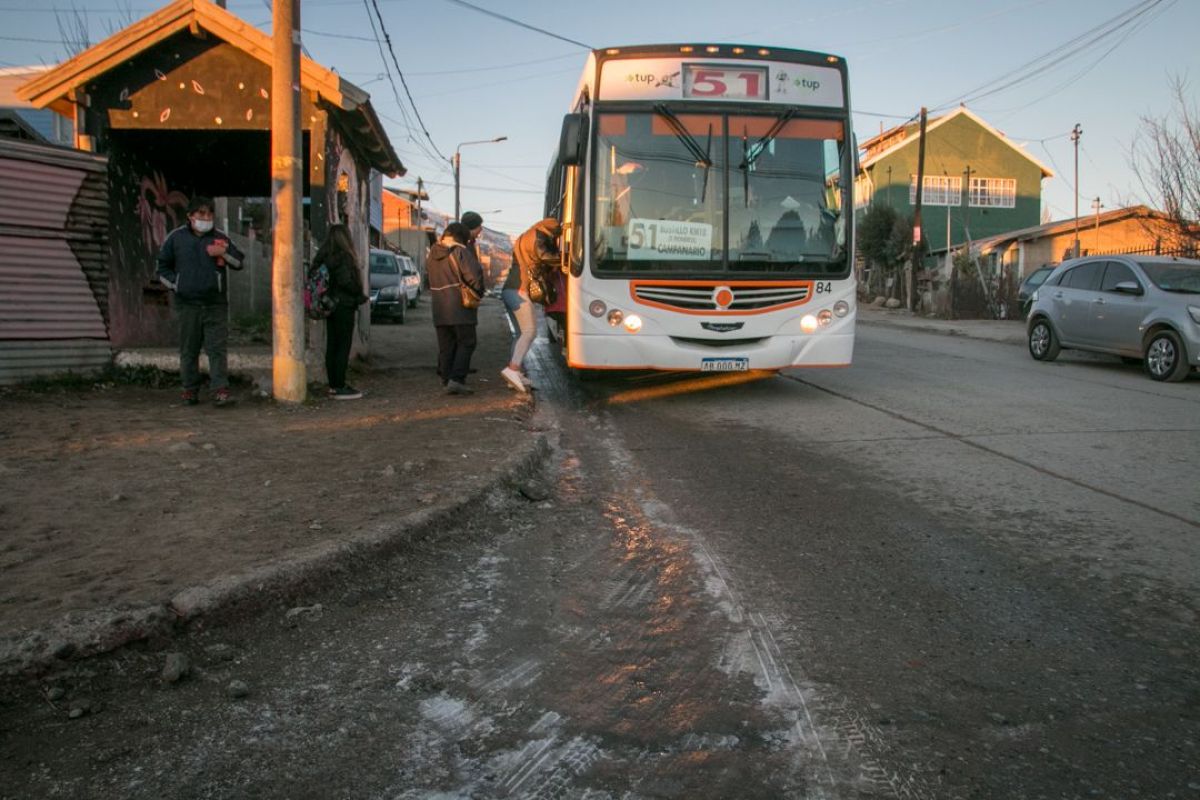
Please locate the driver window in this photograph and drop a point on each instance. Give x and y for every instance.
(647, 174)
(1116, 273)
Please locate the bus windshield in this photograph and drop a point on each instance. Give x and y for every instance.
(728, 192)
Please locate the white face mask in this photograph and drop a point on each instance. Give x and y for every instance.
(202, 225)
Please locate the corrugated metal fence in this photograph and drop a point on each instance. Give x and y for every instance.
(53, 261)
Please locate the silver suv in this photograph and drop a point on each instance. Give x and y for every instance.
(1142, 308)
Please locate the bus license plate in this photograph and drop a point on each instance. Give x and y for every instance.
(724, 364)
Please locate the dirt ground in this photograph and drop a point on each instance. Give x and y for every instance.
(118, 496)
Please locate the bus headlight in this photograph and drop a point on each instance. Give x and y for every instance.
(808, 323)
(615, 316)
(841, 308)
(597, 308)
(825, 318)
(633, 323)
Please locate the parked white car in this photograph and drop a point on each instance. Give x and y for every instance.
(411, 279)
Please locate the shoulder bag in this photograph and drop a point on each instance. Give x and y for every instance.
(470, 297)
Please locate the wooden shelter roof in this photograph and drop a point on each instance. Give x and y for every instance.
(56, 87)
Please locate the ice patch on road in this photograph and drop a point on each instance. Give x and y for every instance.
(448, 714)
(546, 765)
(478, 588)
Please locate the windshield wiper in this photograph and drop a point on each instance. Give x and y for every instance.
(751, 154)
(707, 150)
(701, 156)
(745, 168)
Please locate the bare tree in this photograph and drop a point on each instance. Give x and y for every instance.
(73, 28)
(1165, 155)
(123, 18)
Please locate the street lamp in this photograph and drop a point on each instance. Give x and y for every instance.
(456, 161)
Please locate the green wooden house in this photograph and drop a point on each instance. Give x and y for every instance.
(978, 183)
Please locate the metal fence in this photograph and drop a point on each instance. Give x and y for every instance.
(1181, 251)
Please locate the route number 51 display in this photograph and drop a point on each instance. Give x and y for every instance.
(725, 82)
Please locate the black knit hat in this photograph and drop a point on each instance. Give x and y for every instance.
(471, 220)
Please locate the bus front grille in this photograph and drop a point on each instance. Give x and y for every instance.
(718, 342)
(705, 296)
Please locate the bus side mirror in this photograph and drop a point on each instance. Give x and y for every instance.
(572, 144)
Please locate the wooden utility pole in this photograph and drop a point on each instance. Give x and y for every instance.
(288, 379)
(1076, 132)
(911, 283)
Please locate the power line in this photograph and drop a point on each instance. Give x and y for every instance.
(518, 23)
(31, 39)
(404, 83)
(507, 177)
(308, 32)
(1031, 140)
(498, 66)
(489, 188)
(425, 156)
(880, 114)
(1139, 26)
(1034, 67)
(503, 82)
(387, 69)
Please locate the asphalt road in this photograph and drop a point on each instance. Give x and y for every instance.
(947, 572)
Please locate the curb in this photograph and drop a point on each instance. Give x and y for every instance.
(960, 331)
(85, 634)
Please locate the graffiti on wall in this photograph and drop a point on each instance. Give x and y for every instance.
(145, 205)
(160, 210)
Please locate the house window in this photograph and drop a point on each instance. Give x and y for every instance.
(940, 190)
(993, 192)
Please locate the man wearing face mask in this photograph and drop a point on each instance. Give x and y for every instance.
(192, 264)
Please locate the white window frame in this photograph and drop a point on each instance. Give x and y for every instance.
(993, 193)
(864, 191)
(940, 190)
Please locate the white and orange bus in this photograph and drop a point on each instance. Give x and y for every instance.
(705, 195)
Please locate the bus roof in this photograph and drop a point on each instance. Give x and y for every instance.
(709, 50)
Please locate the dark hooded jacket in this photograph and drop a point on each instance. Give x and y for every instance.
(185, 266)
(451, 264)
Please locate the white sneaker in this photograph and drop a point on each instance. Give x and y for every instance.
(513, 378)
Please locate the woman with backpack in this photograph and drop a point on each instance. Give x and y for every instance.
(346, 291)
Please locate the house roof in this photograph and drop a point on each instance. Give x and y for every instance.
(1067, 226)
(904, 135)
(55, 88)
(12, 126)
(407, 194)
(10, 79)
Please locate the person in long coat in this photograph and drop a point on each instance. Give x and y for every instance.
(451, 264)
(346, 288)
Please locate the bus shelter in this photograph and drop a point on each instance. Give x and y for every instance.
(180, 103)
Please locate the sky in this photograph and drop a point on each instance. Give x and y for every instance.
(475, 77)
